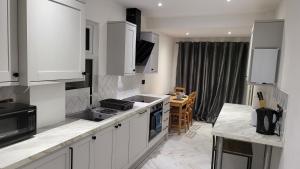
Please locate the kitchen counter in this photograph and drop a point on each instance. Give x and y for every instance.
(234, 123)
(45, 143)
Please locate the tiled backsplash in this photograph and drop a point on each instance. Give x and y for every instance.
(7, 92)
(108, 87)
(77, 100)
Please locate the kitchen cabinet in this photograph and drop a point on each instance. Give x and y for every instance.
(82, 154)
(121, 48)
(51, 40)
(103, 147)
(152, 64)
(265, 48)
(57, 160)
(166, 116)
(8, 42)
(139, 129)
(121, 145)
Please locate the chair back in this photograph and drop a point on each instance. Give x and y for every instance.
(179, 89)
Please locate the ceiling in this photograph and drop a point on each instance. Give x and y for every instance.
(180, 11)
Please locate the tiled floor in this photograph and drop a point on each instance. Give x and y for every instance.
(190, 150)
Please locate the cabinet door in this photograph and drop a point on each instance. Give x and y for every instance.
(58, 160)
(155, 54)
(138, 134)
(55, 39)
(103, 147)
(130, 45)
(121, 146)
(8, 49)
(82, 154)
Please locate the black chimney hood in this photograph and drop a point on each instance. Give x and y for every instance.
(143, 48)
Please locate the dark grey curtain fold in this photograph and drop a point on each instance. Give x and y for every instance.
(216, 70)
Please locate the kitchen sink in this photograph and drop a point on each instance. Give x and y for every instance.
(140, 98)
(96, 114)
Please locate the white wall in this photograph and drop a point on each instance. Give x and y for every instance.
(102, 11)
(291, 83)
(160, 83)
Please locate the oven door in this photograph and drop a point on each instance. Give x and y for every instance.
(17, 126)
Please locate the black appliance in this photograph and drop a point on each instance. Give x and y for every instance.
(143, 48)
(267, 120)
(155, 127)
(17, 122)
(116, 104)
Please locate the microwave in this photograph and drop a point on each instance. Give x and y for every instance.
(17, 122)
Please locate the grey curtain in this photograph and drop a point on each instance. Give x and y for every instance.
(216, 71)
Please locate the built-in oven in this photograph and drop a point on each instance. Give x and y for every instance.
(155, 127)
(17, 122)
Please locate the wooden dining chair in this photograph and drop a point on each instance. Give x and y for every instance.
(180, 89)
(191, 105)
(179, 119)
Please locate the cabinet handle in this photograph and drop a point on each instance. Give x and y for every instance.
(116, 126)
(133, 70)
(120, 125)
(15, 74)
(143, 112)
(152, 69)
(94, 137)
(72, 154)
(83, 73)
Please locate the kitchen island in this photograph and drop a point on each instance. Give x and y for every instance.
(234, 123)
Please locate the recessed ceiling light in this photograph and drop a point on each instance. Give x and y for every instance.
(187, 34)
(229, 33)
(228, 0)
(159, 4)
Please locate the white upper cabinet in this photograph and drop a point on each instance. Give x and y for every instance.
(152, 64)
(8, 42)
(52, 40)
(264, 53)
(121, 48)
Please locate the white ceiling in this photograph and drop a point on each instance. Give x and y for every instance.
(179, 12)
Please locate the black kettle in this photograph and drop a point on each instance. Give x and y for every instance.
(267, 120)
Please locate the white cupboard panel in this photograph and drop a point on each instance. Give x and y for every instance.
(57, 160)
(264, 65)
(138, 134)
(121, 146)
(52, 39)
(103, 148)
(83, 155)
(8, 40)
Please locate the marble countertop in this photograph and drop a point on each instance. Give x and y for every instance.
(234, 123)
(50, 140)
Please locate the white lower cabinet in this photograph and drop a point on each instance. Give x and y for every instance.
(103, 147)
(82, 154)
(139, 125)
(121, 145)
(57, 160)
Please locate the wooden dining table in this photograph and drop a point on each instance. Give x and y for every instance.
(178, 103)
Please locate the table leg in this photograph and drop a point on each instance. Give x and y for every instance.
(268, 156)
(219, 152)
(179, 120)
